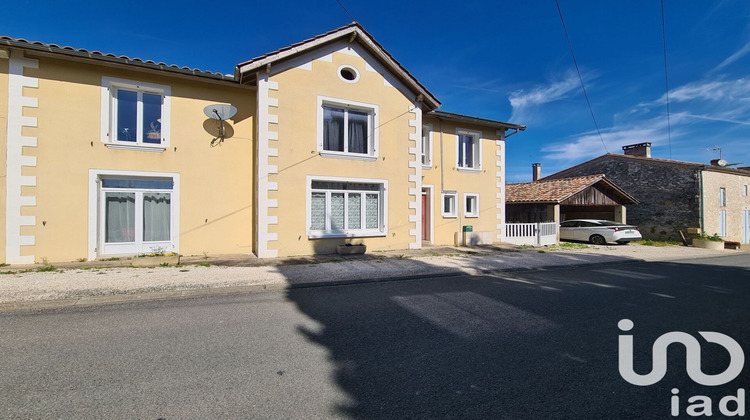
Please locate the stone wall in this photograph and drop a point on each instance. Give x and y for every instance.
(668, 192)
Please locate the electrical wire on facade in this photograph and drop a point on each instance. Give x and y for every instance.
(575, 62)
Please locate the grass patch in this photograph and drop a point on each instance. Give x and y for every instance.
(572, 245)
(7, 272)
(649, 242)
(184, 271)
(204, 264)
(111, 259)
(46, 268)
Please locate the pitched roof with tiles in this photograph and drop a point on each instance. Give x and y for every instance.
(110, 58)
(656, 161)
(558, 190)
(354, 32)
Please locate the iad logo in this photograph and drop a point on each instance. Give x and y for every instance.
(702, 405)
(693, 353)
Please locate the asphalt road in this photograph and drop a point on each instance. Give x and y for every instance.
(513, 345)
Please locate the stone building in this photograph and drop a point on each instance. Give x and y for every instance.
(675, 196)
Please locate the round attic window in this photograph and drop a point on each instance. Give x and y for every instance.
(348, 74)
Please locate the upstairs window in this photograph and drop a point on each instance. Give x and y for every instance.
(722, 197)
(426, 146)
(347, 129)
(135, 115)
(468, 150)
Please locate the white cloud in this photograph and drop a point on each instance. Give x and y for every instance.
(709, 90)
(521, 100)
(734, 57)
(588, 145)
(718, 118)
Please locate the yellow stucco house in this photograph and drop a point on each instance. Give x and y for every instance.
(332, 142)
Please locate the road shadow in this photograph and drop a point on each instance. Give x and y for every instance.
(525, 344)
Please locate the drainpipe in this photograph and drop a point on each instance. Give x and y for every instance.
(442, 177)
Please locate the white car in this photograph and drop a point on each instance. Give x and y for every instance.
(598, 232)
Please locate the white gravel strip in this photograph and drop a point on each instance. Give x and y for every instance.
(78, 283)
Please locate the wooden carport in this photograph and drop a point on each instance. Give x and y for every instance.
(585, 197)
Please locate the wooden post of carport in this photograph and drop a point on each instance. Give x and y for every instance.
(620, 215)
(556, 219)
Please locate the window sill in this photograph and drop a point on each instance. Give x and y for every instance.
(339, 155)
(470, 170)
(425, 167)
(469, 216)
(311, 235)
(449, 216)
(140, 147)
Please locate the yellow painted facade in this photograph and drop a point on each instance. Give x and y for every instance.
(445, 175)
(273, 187)
(299, 90)
(213, 216)
(733, 208)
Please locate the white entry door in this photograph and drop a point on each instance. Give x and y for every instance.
(136, 216)
(746, 226)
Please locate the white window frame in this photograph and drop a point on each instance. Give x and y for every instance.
(745, 191)
(347, 233)
(110, 86)
(722, 223)
(477, 140)
(373, 118)
(722, 197)
(453, 211)
(475, 212)
(426, 146)
(96, 215)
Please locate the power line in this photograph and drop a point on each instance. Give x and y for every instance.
(666, 77)
(575, 62)
(347, 12)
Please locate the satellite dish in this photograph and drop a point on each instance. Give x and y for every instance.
(220, 111)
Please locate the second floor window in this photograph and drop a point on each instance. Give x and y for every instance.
(468, 153)
(137, 116)
(427, 146)
(134, 114)
(346, 130)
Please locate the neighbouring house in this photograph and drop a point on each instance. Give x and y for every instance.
(676, 196)
(535, 209)
(332, 142)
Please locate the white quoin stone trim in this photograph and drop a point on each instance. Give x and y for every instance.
(500, 184)
(264, 152)
(415, 179)
(15, 160)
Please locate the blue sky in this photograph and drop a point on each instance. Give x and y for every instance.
(503, 60)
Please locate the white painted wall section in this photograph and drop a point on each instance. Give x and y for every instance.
(15, 160)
